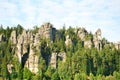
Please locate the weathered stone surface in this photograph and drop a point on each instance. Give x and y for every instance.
(97, 35)
(32, 60)
(97, 39)
(88, 43)
(68, 41)
(28, 42)
(53, 60)
(13, 37)
(82, 33)
(47, 31)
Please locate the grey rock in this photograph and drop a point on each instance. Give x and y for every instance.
(13, 37)
(97, 39)
(82, 33)
(53, 60)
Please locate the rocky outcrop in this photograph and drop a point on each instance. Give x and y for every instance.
(32, 60)
(88, 44)
(68, 41)
(97, 39)
(53, 60)
(54, 56)
(13, 37)
(47, 31)
(28, 46)
(82, 33)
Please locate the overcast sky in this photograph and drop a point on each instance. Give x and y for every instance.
(91, 14)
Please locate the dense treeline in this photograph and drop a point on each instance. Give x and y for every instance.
(82, 63)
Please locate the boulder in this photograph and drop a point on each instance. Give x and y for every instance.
(47, 31)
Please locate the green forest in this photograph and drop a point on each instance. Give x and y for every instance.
(81, 62)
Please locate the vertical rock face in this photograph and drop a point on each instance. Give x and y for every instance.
(55, 56)
(98, 39)
(47, 31)
(28, 46)
(68, 41)
(82, 33)
(22, 45)
(13, 37)
(32, 60)
(53, 60)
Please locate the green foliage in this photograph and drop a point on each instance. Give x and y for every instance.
(27, 74)
(4, 70)
(80, 64)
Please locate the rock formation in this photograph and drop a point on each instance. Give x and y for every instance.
(68, 41)
(32, 60)
(28, 45)
(53, 60)
(13, 37)
(82, 33)
(47, 31)
(97, 39)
